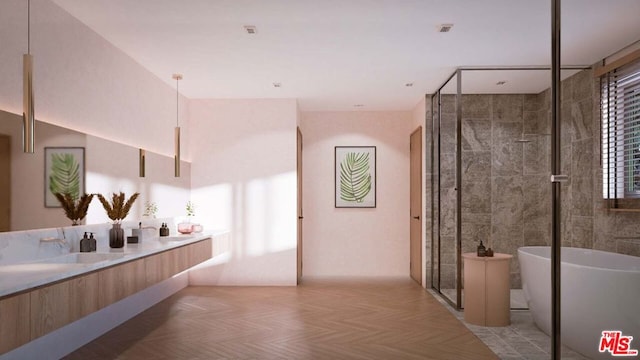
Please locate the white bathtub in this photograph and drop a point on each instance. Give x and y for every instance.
(599, 291)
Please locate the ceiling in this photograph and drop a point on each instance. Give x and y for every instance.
(349, 54)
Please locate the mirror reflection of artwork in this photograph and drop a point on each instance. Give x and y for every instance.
(355, 176)
(64, 173)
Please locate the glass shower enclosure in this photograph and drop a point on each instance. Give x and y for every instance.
(490, 170)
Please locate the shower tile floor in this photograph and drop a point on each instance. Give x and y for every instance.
(521, 340)
(517, 297)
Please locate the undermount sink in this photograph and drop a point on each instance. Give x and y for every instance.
(81, 258)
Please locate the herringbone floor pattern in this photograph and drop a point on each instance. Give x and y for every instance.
(320, 319)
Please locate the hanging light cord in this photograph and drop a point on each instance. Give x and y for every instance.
(29, 27)
(177, 98)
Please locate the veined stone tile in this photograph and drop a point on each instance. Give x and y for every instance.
(582, 158)
(582, 195)
(448, 134)
(448, 104)
(537, 155)
(566, 89)
(628, 246)
(536, 212)
(507, 195)
(535, 122)
(532, 102)
(582, 85)
(476, 135)
(476, 195)
(566, 158)
(506, 154)
(475, 230)
(477, 106)
(506, 159)
(476, 165)
(582, 119)
(515, 278)
(537, 234)
(582, 232)
(627, 224)
(508, 108)
(566, 127)
(506, 132)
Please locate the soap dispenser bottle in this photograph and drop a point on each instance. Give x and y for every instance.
(93, 246)
(84, 244)
(164, 230)
(482, 251)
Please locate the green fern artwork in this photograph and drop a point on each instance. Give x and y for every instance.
(355, 177)
(64, 175)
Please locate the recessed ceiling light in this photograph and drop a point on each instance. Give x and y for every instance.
(250, 29)
(443, 28)
(408, 84)
(501, 82)
(277, 85)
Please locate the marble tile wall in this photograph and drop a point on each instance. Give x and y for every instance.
(506, 194)
(505, 190)
(447, 192)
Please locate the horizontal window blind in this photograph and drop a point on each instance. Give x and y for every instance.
(620, 94)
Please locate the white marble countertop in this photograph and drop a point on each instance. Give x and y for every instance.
(20, 277)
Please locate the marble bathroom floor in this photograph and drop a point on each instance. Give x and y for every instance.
(521, 340)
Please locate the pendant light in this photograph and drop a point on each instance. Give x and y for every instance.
(28, 117)
(142, 159)
(176, 157)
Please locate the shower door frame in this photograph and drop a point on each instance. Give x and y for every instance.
(435, 236)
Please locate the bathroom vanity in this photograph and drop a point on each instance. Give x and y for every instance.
(40, 297)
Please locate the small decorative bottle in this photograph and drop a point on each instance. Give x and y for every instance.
(164, 230)
(482, 251)
(92, 243)
(84, 244)
(489, 252)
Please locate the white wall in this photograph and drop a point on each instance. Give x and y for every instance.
(83, 82)
(356, 242)
(244, 180)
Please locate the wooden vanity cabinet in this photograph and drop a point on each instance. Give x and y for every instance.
(32, 314)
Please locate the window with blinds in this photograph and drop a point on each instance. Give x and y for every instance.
(620, 94)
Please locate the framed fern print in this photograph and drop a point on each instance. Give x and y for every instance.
(63, 173)
(355, 176)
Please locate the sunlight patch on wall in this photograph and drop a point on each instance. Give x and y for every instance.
(261, 213)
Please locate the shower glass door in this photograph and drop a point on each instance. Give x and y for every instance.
(446, 265)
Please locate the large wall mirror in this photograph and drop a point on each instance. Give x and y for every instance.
(108, 167)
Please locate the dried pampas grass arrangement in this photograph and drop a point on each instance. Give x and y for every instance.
(118, 208)
(75, 210)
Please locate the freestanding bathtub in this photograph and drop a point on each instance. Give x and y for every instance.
(600, 291)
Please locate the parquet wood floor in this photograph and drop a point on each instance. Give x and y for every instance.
(321, 319)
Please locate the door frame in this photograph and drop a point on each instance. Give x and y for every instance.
(416, 216)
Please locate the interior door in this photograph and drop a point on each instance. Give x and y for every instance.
(416, 205)
(300, 217)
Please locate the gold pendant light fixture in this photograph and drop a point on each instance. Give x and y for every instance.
(176, 157)
(142, 160)
(28, 117)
